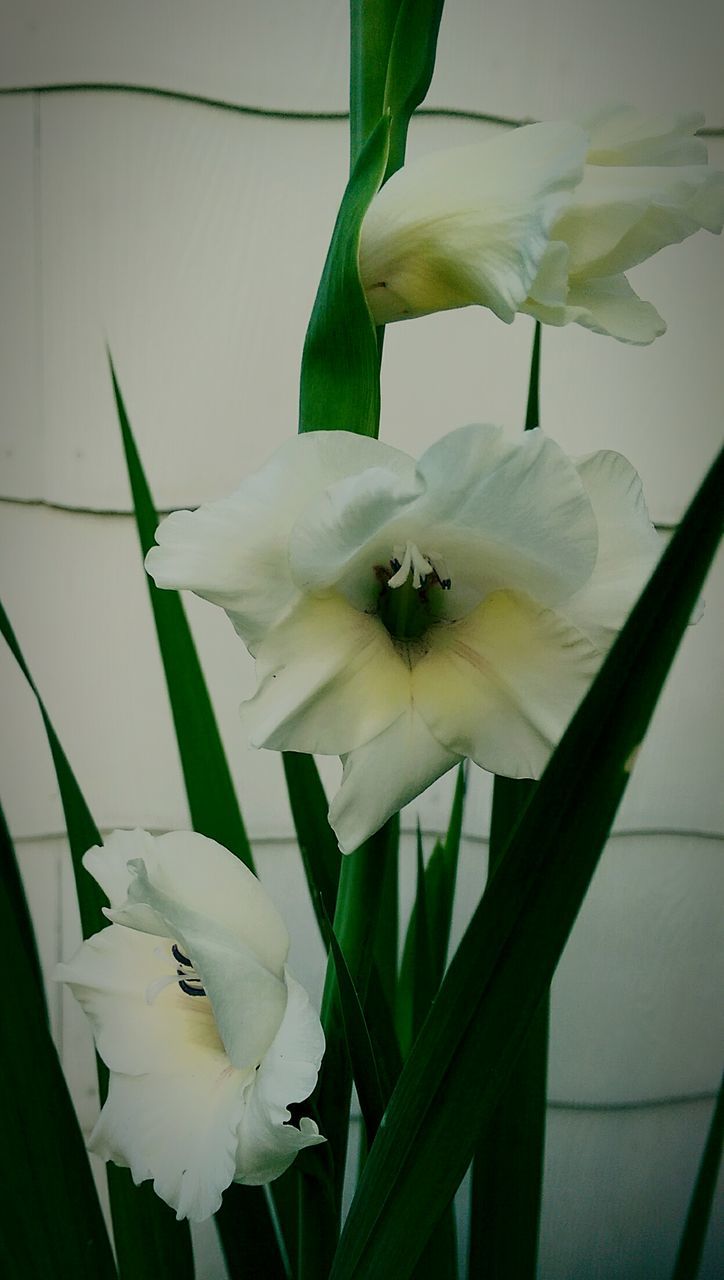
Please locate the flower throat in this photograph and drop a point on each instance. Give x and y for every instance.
(404, 606)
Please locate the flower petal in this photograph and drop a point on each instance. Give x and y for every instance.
(505, 513)
(621, 135)
(234, 552)
(339, 540)
(330, 679)
(501, 685)
(607, 305)
(110, 977)
(288, 1073)
(468, 225)
(385, 774)
(248, 1000)
(628, 548)
(180, 1130)
(620, 217)
(201, 875)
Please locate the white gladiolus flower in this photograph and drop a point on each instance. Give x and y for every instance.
(404, 615)
(207, 1036)
(544, 220)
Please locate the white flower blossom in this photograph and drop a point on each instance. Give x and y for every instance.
(404, 615)
(544, 220)
(207, 1036)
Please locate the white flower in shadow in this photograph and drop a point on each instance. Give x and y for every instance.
(207, 1037)
(404, 615)
(544, 220)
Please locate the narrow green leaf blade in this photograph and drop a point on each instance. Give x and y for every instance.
(440, 881)
(410, 68)
(318, 847)
(691, 1248)
(423, 984)
(82, 830)
(340, 387)
(361, 1054)
(372, 26)
(52, 1220)
(212, 799)
(13, 883)
(507, 1175)
(451, 1083)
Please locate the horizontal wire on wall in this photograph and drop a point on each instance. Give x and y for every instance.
(277, 113)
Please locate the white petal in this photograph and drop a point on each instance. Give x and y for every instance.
(248, 1000)
(234, 552)
(108, 863)
(339, 540)
(620, 217)
(381, 777)
(505, 513)
(267, 1143)
(330, 678)
(196, 873)
(501, 685)
(621, 135)
(608, 305)
(110, 976)
(628, 548)
(468, 225)
(180, 1130)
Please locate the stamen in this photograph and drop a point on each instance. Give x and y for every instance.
(185, 975)
(412, 559)
(185, 985)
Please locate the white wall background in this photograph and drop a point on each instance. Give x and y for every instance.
(191, 240)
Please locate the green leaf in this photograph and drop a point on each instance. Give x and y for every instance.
(340, 387)
(423, 984)
(507, 1176)
(372, 26)
(211, 796)
(252, 1249)
(318, 846)
(387, 928)
(410, 68)
(691, 1248)
(532, 408)
(52, 1220)
(150, 1244)
(440, 881)
(451, 1083)
(361, 1054)
(15, 890)
(82, 830)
